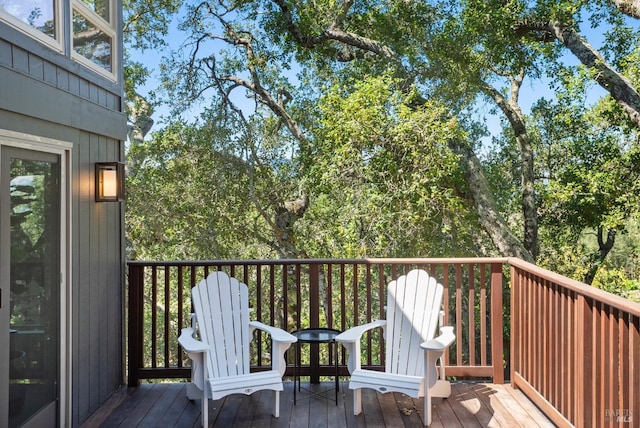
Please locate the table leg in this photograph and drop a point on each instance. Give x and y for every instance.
(335, 357)
(296, 367)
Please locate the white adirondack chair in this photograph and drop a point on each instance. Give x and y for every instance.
(220, 359)
(413, 313)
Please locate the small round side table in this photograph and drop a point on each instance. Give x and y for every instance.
(315, 335)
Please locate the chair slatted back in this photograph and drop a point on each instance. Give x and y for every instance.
(413, 307)
(221, 305)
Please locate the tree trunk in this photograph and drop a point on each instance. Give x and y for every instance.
(284, 219)
(489, 216)
(139, 112)
(604, 247)
(512, 111)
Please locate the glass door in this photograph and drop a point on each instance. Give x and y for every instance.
(30, 284)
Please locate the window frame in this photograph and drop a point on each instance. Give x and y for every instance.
(57, 42)
(107, 28)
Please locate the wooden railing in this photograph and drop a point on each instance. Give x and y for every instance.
(294, 294)
(575, 350)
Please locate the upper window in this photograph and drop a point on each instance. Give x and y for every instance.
(40, 18)
(38, 14)
(93, 36)
(92, 30)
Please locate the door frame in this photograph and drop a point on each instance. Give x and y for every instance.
(63, 149)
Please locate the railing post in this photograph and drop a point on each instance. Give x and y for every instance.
(314, 321)
(514, 325)
(497, 325)
(136, 281)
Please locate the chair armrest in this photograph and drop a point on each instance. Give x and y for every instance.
(350, 339)
(190, 344)
(280, 342)
(355, 333)
(197, 351)
(441, 342)
(277, 334)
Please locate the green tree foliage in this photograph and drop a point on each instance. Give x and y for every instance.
(384, 176)
(200, 189)
(190, 197)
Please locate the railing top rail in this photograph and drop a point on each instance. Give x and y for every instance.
(453, 260)
(578, 287)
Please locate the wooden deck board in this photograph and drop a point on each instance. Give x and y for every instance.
(471, 404)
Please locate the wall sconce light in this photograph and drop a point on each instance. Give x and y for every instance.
(109, 182)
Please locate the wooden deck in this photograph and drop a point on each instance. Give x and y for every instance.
(471, 404)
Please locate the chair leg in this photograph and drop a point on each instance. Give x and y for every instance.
(357, 401)
(205, 412)
(276, 411)
(427, 409)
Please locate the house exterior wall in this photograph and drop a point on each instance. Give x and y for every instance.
(45, 93)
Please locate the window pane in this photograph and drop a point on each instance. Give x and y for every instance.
(91, 42)
(37, 13)
(100, 7)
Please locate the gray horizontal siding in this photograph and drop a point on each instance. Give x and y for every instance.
(39, 87)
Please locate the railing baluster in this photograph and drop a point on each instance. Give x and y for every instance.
(623, 372)
(354, 291)
(259, 312)
(272, 292)
(343, 312)
(167, 314)
(471, 302)
(285, 298)
(154, 315)
(459, 322)
(612, 360)
(180, 311)
(445, 304)
(483, 317)
(314, 319)
(382, 284)
(368, 311)
(634, 370)
(584, 367)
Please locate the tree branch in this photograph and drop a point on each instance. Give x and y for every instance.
(335, 33)
(619, 87)
(628, 7)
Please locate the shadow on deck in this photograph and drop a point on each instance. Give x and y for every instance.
(472, 404)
